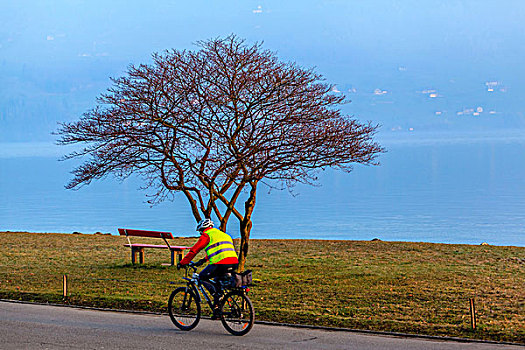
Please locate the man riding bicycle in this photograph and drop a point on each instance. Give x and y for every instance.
(220, 253)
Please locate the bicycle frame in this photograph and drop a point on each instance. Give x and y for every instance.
(197, 286)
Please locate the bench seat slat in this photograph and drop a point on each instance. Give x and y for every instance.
(139, 245)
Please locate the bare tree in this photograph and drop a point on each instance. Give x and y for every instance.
(215, 123)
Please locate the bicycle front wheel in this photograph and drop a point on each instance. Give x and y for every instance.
(184, 308)
(237, 314)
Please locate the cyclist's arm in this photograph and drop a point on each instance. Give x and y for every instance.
(201, 243)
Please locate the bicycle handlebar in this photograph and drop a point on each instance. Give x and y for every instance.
(193, 265)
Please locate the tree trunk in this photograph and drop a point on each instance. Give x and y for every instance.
(246, 226)
(222, 227)
(193, 205)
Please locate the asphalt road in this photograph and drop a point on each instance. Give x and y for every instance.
(25, 326)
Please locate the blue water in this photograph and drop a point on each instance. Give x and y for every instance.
(464, 188)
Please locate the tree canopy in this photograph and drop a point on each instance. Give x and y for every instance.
(213, 124)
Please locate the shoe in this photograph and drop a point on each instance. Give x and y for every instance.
(216, 300)
(216, 314)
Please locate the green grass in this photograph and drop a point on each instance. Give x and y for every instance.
(418, 288)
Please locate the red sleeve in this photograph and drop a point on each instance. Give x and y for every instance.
(201, 243)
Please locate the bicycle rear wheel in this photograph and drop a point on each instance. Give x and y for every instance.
(237, 314)
(184, 308)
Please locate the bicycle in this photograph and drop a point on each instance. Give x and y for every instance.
(234, 309)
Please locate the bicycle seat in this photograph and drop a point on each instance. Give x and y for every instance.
(225, 276)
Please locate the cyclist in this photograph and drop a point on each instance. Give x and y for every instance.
(220, 253)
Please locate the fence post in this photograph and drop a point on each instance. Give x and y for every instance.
(65, 286)
(472, 314)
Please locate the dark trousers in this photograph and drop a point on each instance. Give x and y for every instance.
(213, 271)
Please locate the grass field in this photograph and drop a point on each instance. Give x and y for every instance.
(418, 288)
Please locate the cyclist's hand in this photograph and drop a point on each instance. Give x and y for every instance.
(200, 262)
(179, 266)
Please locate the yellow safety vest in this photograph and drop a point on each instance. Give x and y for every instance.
(220, 246)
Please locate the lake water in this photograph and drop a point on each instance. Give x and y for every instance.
(462, 188)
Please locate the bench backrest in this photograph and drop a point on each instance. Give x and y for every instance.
(142, 233)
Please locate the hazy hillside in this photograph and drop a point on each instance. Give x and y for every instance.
(35, 98)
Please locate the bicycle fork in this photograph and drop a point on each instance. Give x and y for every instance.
(186, 302)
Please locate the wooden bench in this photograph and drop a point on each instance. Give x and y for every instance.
(139, 247)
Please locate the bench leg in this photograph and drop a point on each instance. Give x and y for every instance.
(141, 255)
(133, 252)
(179, 257)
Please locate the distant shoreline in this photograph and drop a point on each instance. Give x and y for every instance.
(419, 137)
(282, 239)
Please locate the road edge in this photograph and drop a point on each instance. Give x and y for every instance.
(277, 324)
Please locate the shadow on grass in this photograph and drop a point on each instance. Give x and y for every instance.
(148, 266)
